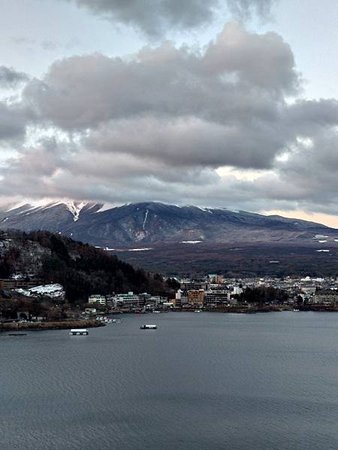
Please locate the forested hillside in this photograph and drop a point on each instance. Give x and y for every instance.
(81, 268)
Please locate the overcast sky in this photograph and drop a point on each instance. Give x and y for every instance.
(227, 103)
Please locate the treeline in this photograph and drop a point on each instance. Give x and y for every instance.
(8, 262)
(84, 270)
(263, 294)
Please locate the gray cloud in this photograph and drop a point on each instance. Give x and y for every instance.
(309, 116)
(13, 121)
(189, 142)
(158, 125)
(223, 106)
(14, 115)
(155, 17)
(244, 9)
(240, 74)
(10, 77)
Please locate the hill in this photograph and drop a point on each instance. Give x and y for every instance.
(82, 269)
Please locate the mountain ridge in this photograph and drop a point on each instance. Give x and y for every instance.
(155, 222)
(169, 238)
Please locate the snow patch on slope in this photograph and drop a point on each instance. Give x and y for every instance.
(49, 290)
(75, 209)
(108, 206)
(32, 206)
(145, 219)
(208, 210)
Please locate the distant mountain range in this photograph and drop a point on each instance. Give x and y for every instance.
(151, 234)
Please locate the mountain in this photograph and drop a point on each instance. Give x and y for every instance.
(138, 225)
(166, 237)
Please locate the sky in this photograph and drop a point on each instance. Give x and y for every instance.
(225, 103)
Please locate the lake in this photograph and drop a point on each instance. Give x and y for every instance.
(200, 381)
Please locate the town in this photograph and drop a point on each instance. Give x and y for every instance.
(24, 301)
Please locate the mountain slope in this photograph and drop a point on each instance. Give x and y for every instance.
(143, 224)
(80, 268)
(171, 239)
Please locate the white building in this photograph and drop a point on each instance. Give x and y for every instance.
(129, 299)
(98, 299)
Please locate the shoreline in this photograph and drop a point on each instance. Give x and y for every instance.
(89, 323)
(55, 325)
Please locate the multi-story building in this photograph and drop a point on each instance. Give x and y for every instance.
(325, 298)
(216, 298)
(98, 299)
(196, 297)
(129, 300)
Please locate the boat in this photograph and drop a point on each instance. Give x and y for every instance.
(107, 320)
(148, 327)
(78, 332)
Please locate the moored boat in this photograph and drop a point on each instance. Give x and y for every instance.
(78, 332)
(148, 327)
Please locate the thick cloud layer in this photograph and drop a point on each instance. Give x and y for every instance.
(154, 17)
(221, 107)
(177, 125)
(241, 73)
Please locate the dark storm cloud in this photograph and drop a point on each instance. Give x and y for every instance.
(10, 77)
(155, 17)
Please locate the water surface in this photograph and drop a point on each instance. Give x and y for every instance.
(200, 381)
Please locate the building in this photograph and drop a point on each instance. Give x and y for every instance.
(129, 300)
(215, 278)
(97, 299)
(194, 285)
(196, 297)
(215, 298)
(325, 298)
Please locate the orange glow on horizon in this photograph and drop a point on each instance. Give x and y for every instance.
(325, 219)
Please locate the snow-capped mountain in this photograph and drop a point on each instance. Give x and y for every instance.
(140, 225)
(172, 239)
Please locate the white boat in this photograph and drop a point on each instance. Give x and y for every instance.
(78, 332)
(148, 327)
